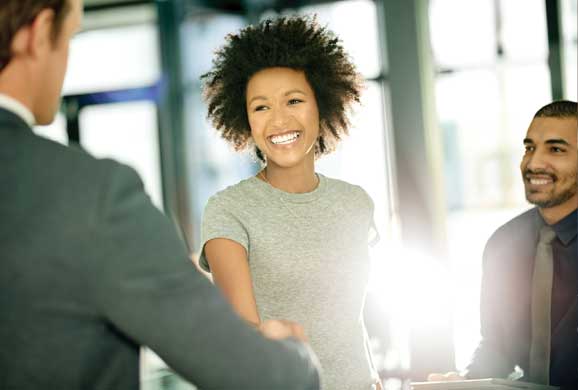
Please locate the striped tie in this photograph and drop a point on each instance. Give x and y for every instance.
(541, 308)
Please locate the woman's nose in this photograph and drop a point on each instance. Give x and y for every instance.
(279, 118)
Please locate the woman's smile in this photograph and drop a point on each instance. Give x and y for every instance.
(286, 139)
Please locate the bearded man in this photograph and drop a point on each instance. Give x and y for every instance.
(529, 284)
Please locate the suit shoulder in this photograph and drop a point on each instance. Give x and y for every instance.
(72, 177)
(64, 183)
(515, 225)
(80, 166)
(517, 222)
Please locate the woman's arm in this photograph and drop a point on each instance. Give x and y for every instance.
(230, 269)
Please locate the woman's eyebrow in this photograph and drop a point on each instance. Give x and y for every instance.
(257, 98)
(294, 91)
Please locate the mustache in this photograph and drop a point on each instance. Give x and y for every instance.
(528, 172)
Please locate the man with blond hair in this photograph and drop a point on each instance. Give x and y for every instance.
(90, 269)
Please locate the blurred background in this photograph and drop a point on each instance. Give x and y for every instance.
(451, 87)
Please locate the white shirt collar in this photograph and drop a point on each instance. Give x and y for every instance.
(14, 106)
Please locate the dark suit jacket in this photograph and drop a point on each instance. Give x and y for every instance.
(90, 270)
(505, 309)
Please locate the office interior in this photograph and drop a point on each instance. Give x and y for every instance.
(450, 89)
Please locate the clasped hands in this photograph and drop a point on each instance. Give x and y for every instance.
(281, 329)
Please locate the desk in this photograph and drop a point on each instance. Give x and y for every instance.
(480, 384)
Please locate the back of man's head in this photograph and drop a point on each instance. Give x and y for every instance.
(562, 109)
(15, 14)
(34, 43)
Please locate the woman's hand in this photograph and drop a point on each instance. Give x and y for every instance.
(281, 329)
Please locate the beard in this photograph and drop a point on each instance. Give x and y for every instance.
(555, 198)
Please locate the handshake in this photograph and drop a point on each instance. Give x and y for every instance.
(281, 329)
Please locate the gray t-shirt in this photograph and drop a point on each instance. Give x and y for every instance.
(309, 262)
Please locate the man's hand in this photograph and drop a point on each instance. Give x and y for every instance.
(281, 329)
(447, 377)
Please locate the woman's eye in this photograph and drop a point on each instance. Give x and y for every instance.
(295, 101)
(260, 108)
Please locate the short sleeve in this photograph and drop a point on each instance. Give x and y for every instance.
(220, 222)
(373, 236)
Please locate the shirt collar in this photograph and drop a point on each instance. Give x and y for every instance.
(10, 104)
(566, 228)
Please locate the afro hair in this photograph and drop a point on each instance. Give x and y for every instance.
(296, 42)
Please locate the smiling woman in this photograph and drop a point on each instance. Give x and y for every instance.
(290, 243)
(284, 121)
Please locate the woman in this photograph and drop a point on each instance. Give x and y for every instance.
(291, 243)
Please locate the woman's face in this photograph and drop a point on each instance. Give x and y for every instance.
(283, 116)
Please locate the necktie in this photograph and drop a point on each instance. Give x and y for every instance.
(541, 307)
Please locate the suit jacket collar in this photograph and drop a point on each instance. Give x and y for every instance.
(9, 121)
(565, 228)
(9, 103)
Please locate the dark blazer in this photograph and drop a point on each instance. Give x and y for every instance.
(505, 309)
(90, 271)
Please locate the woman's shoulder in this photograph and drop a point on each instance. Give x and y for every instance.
(235, 193)
(346, 190)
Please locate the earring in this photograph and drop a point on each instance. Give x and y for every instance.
(262, 157)
(320, 145)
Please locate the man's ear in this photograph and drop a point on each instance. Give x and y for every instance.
(35, 38)
(21, 41)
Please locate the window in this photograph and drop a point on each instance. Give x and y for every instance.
(569, 10)
(56, 131)
(213, 163)
(493, 76)
(113, 58)
(128, 133)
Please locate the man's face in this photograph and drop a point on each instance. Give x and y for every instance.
(54, 64)
(550, 162)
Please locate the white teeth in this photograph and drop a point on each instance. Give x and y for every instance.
(540, 181)
(285, 138)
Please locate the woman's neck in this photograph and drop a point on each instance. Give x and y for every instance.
(295, 180)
